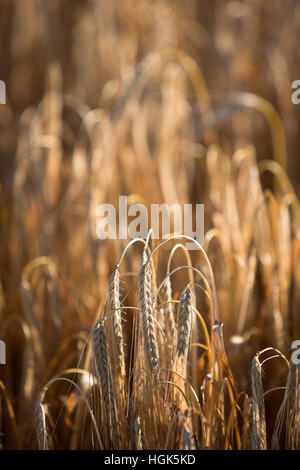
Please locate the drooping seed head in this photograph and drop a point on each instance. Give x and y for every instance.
(146, 305)
(258, 429)
(103, 365)
(115, 303)
(184, 322)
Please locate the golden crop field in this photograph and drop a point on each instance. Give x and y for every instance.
(139, 342)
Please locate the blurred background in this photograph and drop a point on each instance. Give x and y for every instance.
(95, 46)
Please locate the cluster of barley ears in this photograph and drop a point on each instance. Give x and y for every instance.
(167, 381)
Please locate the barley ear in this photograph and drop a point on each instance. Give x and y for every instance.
(258, 421)
(146, 305)
(42, 433)
(185, 317)
(103, 365)
(115, 303)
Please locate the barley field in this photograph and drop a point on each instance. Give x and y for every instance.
(144, 344)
